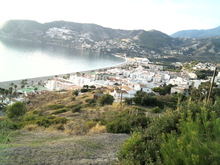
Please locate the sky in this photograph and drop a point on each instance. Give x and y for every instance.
(167, 16)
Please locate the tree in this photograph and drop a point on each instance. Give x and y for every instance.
(93, 87)
(75, 92)
(11, 84)
(198, 142)
(15, 86)
(106, 99)
(16, 110)
(161, 91)
(85, 86)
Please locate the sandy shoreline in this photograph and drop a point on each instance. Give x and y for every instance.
(5, 84)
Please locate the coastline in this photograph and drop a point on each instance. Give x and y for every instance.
(35, 80)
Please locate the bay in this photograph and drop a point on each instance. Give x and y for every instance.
(24, 59)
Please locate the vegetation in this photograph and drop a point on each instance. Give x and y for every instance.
(187, 135)
(106, 99)
(16, 111)
(163, 90)
(185, 127)
(128, 120)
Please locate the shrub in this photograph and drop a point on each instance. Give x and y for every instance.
(60, 111)
(75, 93)
(106, 99)
(73, 98)
(77, 108)
(59, 120)
(98, 129)
(29, 117)
(156, 110)
(84, 90)
(31, 127)
(72, 106)
(84, 96)
(55, 106)
(90, 124)
(133, 150)
(7, 124)
(118, 126)
(43, 121)
(16, 110)
(90, 101)
(60, 127)
(126, 121)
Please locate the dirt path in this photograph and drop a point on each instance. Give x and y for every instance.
(42, 148)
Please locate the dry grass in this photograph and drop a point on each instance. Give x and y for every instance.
(33, 127)
(77, 123)
(97, 129)
(2, 117)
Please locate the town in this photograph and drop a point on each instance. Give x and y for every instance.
(121, 82)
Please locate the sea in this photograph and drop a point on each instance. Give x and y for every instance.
(21, 59)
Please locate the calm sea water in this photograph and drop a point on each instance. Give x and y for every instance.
(23, 60)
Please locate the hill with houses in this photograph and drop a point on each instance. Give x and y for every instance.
(134, 43)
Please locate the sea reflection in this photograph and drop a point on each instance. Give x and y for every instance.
(23, 59)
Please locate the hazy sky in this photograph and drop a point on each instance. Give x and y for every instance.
(167, 16)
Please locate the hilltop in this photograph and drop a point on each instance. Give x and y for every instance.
(198, 33)
(134, 43)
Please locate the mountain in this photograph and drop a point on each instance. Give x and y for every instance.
(198, 33)
(80, 35)
(152, 44)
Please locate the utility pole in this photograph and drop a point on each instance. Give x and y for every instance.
(211, 86)
(121, 97)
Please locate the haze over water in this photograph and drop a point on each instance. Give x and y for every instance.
(23, 60)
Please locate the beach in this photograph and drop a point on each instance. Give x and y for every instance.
(36, 80)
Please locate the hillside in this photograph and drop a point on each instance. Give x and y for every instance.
(79, 35)
(198, 33)
(74, 137)
(152, 44)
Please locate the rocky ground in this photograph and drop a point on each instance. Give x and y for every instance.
(47, 148)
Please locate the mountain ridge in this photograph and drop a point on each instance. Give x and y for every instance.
(198, 33)
(134, 43)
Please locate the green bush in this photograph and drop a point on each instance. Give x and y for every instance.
(197, 142)
(55, 106)
(77, 108)
(7, 128)
(6, 124)
(84, 96)
(84, 90)
(133, 151)
(156, 110)
(106, 99)
(59, 120)
(73, 98)
(60, 127)
(43, 121)
(90, 124)
(47, 121)
(90, 101)
(75, 93)
(29, 117)
(126, 121)
(72, 106)
(16, 110)
(62, 110)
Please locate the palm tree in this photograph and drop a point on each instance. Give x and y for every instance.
(15, 86)
(11, 85)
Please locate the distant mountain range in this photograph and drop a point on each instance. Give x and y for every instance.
(152, 44)
(198, 33)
